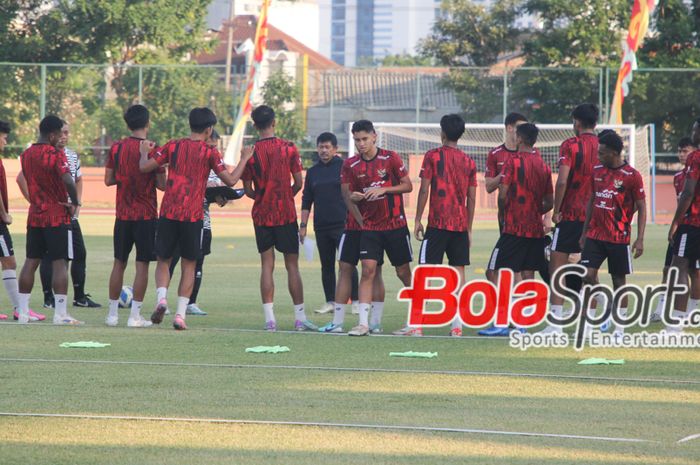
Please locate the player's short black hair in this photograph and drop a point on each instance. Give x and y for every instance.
(528, 132)
(263, 116)
(512, 118)
(453, 126)
(50, 124)
(612, 140)
(201, 118)
(684, 142)
(587, 114)
(362, 125)
(136, 117)
(4, 127)
(327, 137)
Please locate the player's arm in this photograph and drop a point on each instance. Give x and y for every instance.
(307, 202)
(502, 196)
(72, 190)
(110, 178)
(638, 246)
(4, 214)
(230, 179)
(423, 194)
(298, 181)
(351, 204)
(147, 165)
(79, 189)
(161, 179)
(560, 191)
(405, 185)
(684, 202)
(586, 222)
(547, 203)
(23, 187)
(491, 184)
(471, 207)
(248, 187)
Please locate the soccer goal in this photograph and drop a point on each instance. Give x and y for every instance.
(411, 139)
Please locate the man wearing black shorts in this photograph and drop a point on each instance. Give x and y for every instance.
(617, 193)
(448, 176)
(49, 184)
(377, 180)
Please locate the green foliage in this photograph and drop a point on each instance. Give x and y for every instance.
(404, 59)
(283, 95)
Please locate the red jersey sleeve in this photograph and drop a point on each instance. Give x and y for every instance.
(637, 187)
(110, 159)
(426, 170)
(216, 163)
(248, 170)
(507, 173)
(472, 173)
(61, 163)
(398, 166)
(491, 166)
(294, 159)
(161, 154)
(693, 170)
(346, 176)
(565, 155)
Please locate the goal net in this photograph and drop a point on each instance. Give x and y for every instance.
(412, 140)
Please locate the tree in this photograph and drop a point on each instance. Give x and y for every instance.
(404, 59)
(282, 95)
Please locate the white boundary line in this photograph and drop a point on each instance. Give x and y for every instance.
(357, 369)
(327, 425)
(688, 438)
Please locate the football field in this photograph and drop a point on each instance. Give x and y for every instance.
(157, 396)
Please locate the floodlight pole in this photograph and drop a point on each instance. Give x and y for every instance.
(229, 45)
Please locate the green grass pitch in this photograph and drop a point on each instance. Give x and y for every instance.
(204, 373)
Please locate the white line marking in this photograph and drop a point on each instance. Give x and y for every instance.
(688, 438)
(326, 425)
(356, 369)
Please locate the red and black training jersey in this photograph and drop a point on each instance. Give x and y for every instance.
(692, 171)
(451, 172)
(384, 170)
(271, 168)
(136, 191)
(580, 154)
(529, 179)
(43, 166)
(189, 162)
(496, 159)
(615, 191)
(679, 182)
(3, 186)
(345, 174)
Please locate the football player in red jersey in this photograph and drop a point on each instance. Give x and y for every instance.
(684, 233)
(136, 214)
(49, 184)
(577, 157)
(180, 224)
(7, 252)
(448, 178)
(617, 193)
(273, 178)
(377, 180)
(524, 195)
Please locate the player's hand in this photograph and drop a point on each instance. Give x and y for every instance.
(77, 213)
(672, 232)
(469, 239)
(6, 218)
(145, 146)
(638, 248)
(220, 201)
(71, 208)
(556, 217)
(582, 241)
(375, 193)
(247, 152)
(357, 197)
(418, 231)
(302, 234)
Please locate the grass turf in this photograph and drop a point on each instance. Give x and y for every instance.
(227, 383)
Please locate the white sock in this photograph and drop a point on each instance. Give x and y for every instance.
(456, 323)
(181, 306)
(623, 313)
(113, 308)
(338, 314)
(61, 308)
(660, 305)
(24, 304)
(677, 314)
(375, 316)
(299, 312)
(557, 310)
(161, 293)
(9, 279)
(269, 312)
(364, 314)
(135, 309)
(692, 305)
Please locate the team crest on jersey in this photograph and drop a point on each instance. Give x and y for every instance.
(382, 173)
(618, 184)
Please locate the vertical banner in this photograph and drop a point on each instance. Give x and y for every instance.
(639, 23)
(235, 143)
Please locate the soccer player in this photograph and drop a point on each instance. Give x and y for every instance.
(448, 176)
(212, 181)
(7, 252)
(684, 233)
(189, 161)
(136, 215)
(524, 195)
(267, 179)
(377, 180)
(577, 157)
(617, 192)
(53, 200)
(78, 265)
(322, 189)
(685, 148)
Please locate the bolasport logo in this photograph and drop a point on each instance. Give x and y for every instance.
(525, 304)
